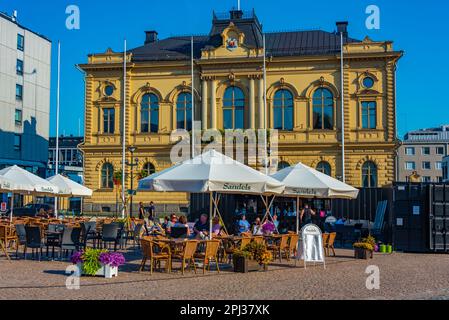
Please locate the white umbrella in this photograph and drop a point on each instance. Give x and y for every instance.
(6, 185)
(27, 183)
(212, 172)
(69, 188)
(302, 181)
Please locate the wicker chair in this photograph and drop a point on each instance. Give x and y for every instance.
(155, 252)
(282, 247)
(330, 244)
(211, 252)
(187, 254)
(325, 242)
(292, 245)
(259, 240)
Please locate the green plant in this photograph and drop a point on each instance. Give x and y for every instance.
(258, 252)
(91, 261)
(242, 254)
(117, 177)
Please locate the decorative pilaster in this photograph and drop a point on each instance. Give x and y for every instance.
(213, 104)
(261, 110)
(204, 104)
(252, 104)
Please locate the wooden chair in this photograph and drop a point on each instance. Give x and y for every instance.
(292, 245)
(211, 252)
(281, 248)
(330, 244)
(187, 254)
(6, 235)
(325, 242)
(149, 253)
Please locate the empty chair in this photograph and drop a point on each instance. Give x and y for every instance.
(330, 244)
(258, 240)
(33, 241)
(70, 240)
(156, 253)
(209, 254)
(325, 242)
(21, 237)
(134, 234)
(187, 255)
(111, 234)
(281, 248)
(292, 245)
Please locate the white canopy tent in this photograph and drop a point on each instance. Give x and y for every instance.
(24, 182)
(302, 181)
(69, 188)
(212, 172)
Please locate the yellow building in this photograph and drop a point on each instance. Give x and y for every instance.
(303, 94)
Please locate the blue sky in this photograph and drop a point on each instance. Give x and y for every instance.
(417, 27)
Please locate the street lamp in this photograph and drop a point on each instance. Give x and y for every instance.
(133, 163)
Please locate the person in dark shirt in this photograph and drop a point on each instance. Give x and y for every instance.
(307, 215)
(201, 227)
(151, 211)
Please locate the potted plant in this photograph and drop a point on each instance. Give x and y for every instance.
(364, 248)
(96, 262)
(254, 257)
(117, 178)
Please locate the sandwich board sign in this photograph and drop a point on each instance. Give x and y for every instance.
(311, 249)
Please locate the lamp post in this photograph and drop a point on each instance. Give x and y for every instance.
(133, 163)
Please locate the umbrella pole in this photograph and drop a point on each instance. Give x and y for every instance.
(211, 212)
(297, 215)
(12, 208)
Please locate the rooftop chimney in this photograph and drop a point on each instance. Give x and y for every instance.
(151, 36)
(342, 27)
(236, 14)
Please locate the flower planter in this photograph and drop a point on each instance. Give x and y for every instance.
(360, 253)
(105, 271)
(245, 265)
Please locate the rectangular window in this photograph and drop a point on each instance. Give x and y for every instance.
(425, 151)
(410, 165)
(19, 92)
(438, 165)
(369, 110)
(426, 179)
(108, 120)
(17, 142)
(410, 151)
(19, 67)
(440, 151)
(20, 42)
(426, 165)
(18, 117)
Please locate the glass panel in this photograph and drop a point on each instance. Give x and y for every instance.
(233, 108)
(227, 119)
(323, 109)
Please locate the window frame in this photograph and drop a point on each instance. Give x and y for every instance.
(107, 169)
(234, 104)
(18, 146)
(372, 169)
(410, 162)
(410, 148)
(323, 106)
(183, 106)
(422, 151)
(16, 121)
(426, 162)
(19, 87)
(108, 124)
(20, 44)
(366, 107)
(284, 107)
(149, 108)
(19, 71)
(323, 170)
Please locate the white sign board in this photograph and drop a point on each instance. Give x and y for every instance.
(311, 249)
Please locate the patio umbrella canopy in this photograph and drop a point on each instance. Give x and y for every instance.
(211, 172)
(303, 181)
(6, 185)
(28, 183)
(69, 188)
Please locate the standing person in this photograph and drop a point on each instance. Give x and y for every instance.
(142, 216)
(151, 211)
(306, 215)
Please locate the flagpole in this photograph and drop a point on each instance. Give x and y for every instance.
(124, 135)
(193, 101)
(58, 90)
(265, 102)
(342, 111)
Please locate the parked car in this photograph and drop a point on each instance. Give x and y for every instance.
(32, 210)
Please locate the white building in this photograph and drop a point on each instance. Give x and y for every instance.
(25, 63)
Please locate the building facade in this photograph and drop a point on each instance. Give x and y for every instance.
(24, 96)
(70, 158)
(303, 99)
(422, 151)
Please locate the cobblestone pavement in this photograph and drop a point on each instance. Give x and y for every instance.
(402, 276)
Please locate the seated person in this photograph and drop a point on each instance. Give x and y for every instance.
(276, 221)
(341, 221)
(201, 227)
(243, 225)
(165, 223)
(182, 223)
(257, 227)
(217, 228)
(173, 220)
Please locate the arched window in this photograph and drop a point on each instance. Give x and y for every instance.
(283, 165)
(324, 167)
(107, 174)
(233, 108)
(184, 111)
(149, 113)
(369, 175)
(283, 110)
(149, 169)
(323, 109)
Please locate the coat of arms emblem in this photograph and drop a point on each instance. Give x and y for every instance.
(232, 44)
